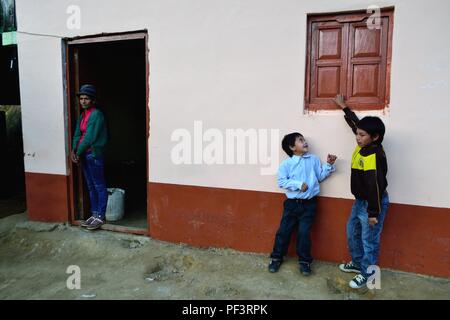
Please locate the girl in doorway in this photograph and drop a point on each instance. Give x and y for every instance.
(88, 145)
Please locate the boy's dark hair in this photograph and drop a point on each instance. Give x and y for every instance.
(289, 141)
(373, 126)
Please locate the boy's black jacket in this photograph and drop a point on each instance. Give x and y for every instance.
(369, 169)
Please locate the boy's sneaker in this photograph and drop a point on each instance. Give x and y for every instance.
(88, 221)
(305, 268)
(97, 223)
(358, 281)
(349, 267)
(274, 265)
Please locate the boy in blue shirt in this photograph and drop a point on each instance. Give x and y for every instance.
(300, 175)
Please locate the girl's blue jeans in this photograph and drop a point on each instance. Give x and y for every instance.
(93, 170)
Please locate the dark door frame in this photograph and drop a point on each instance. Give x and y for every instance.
(68, 90)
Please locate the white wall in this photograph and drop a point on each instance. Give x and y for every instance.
(241, 64)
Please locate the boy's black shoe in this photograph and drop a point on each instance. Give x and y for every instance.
(305, 268)
(274, 265)
(349, 267)
(358, 281)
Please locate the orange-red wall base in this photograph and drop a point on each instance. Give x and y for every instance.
(47, 197)
(414, 239)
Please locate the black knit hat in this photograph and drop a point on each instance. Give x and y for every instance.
(89, 90)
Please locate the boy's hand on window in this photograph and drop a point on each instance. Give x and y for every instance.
(339, 100)
(331, 158)
(304, 187)
(373, 221)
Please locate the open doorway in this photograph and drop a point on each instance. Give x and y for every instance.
(117, 66)
(12, 172)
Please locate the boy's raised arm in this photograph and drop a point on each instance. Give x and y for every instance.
(350, 116)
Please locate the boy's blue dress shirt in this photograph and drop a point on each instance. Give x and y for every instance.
(296, 170)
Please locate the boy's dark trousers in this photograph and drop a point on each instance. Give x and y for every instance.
(301, 213)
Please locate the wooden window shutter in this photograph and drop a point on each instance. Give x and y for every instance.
(345, 56)
(328, 70)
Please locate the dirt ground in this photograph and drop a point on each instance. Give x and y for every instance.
(12, 205)
(34, 258)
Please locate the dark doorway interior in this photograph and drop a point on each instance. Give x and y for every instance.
(12, 176)
(118, 70)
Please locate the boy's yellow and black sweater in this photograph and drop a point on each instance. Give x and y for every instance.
(369, 169)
